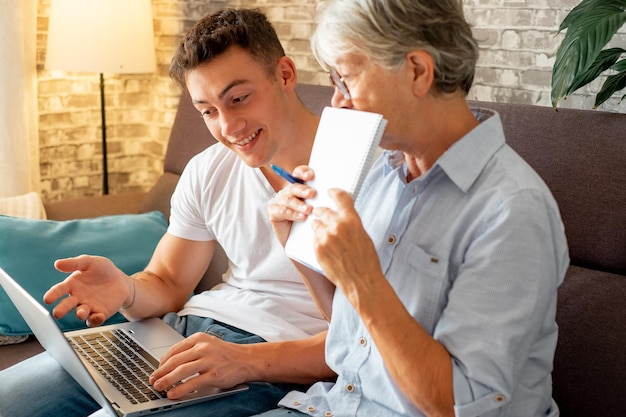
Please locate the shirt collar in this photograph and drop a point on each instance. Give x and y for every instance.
(392, 161)
(467, 157)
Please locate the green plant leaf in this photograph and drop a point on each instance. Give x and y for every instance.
(620, 66)
(580, 9)
(612, 84)
(592, 26)
(603, 62)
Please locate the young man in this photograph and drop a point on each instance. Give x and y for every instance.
(446, 273)
(242, 84)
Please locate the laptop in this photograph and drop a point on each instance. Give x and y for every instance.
(94, 357)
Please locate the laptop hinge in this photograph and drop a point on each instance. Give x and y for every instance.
(117, 409)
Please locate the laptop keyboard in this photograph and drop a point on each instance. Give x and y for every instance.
(121, 361)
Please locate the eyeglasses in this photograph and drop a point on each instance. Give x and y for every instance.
(338, 81)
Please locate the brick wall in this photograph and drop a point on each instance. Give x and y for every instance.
(518, 44)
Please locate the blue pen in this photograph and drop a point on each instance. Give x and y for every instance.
(286, 175)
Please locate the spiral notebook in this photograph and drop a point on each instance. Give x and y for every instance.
(345, 145)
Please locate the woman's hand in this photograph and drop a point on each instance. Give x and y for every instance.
(289, 205)
(342, 246)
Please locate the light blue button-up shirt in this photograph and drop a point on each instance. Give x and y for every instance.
(475, 249)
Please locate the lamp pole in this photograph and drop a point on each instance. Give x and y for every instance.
(105, 168)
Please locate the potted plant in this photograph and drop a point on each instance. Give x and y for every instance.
(580, 58)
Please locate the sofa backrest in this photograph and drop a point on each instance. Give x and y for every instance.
(580, 154)
(188, 137)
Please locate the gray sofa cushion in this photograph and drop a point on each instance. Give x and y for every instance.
(589, 376)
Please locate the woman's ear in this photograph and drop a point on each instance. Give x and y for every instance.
(421, 69)
(286, 71)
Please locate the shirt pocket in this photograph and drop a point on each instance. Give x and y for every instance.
(422, 284)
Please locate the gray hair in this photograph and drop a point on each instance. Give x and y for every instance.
(384, 31)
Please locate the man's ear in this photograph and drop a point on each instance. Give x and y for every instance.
(286, 72)
(421, 70)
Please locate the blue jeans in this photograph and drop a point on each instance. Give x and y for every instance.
(39, 386)
(281, 412)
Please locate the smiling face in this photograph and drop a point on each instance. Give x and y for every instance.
(243, 106)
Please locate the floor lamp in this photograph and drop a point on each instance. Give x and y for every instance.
(102, 36)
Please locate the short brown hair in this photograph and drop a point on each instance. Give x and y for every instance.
(212, 35)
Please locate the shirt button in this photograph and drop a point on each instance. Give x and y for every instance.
(362, 341)
(350, 388)
(499, 398)
(328, 414)
(296, 403)
(391, 239)
(310, 408)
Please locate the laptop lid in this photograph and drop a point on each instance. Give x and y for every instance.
(152, 333)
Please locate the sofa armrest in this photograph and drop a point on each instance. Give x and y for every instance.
(12, 354)
(86, 207)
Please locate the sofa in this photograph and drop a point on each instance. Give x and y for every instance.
(580, 154)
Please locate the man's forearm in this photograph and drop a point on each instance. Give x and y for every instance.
(146, 297)
(299, 361)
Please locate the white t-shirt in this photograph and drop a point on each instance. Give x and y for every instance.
(221, 198)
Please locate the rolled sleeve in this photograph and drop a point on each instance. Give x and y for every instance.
(471, 398)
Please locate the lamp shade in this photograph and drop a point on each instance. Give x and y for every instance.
(105, 36)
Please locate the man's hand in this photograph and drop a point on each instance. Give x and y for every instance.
(96, 288)
(200, 360)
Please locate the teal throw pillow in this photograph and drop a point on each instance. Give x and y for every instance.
(28, 249)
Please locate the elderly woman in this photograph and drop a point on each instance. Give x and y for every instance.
(446, 272)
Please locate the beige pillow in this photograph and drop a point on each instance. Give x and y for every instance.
(28, 206)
